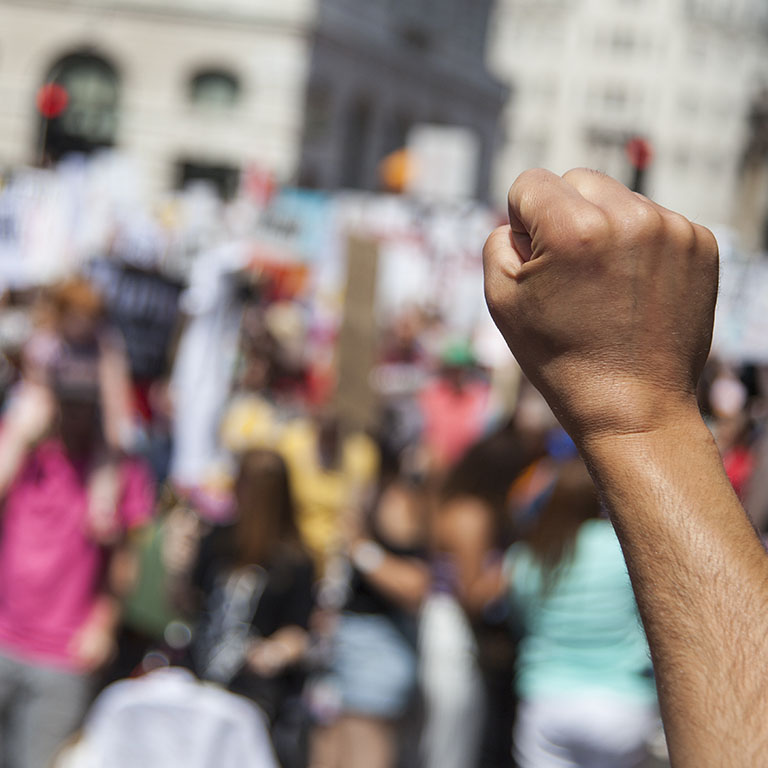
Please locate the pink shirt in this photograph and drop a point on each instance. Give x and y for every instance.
(50, 571)
(453, 419)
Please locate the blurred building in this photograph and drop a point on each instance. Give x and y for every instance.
(751, 218)
(190, 88)
(380, 68)
(203, 88)
(590, 74)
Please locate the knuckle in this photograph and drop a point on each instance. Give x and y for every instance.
(646, 219)
(525, 183)
(587, 181)
(706, 244)
(590, 228)
(581, 174)
(530, 176)
(680, 232)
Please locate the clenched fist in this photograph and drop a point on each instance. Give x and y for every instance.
(605, 298)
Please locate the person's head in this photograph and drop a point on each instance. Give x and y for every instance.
(486, 472)
(456, 364)
(78, 310)
(567, 504)
(398, 513)
(258, 371)
(488, 468)
(404, 335)
(266, 522)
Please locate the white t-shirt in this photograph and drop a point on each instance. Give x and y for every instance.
(167, 719)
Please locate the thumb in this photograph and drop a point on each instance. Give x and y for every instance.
(502, 263)
(546, 211)
(502, 253)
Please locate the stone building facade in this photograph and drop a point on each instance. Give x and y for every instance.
(310, 90)
(590, 74)
(379, 68)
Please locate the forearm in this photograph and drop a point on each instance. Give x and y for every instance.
(700, 575)
(480, 579)
(106, 613)
(93, 644)
(485, 587)
(466, 531)
(272, 655)
(403, 580)
(293, 642)
(13, 451)
(29, 417)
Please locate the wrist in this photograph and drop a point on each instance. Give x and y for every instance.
(684, 425)
(105, 613)
(660, 419)
(632, 469)
(268, 656)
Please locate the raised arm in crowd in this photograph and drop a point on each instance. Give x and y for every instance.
(607, 301)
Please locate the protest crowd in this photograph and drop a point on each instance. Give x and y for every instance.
(267, 502)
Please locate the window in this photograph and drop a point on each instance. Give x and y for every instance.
(214, 90)
(89, 120)
(223, 179)
(614, 97)
(623, 41)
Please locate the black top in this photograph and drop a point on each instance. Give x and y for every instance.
(243, 604)
(364, 597)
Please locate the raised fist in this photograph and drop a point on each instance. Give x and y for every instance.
(605, 298)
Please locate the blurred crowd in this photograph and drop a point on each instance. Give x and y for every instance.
(206, 554)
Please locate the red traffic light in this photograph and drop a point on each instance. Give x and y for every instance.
(52, 100)
(639, 152)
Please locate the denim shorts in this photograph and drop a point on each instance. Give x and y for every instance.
(374, 666)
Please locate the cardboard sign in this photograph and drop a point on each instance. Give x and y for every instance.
(355, 401)
(144, 306)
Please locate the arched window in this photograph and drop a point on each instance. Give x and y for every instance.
(214, 89)
(90, 118)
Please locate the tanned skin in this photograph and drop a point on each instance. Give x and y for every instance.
(607, 301)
